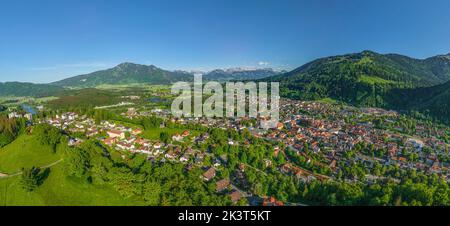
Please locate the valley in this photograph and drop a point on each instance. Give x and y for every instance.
(357, 129)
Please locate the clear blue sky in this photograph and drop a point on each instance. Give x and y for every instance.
(42, 41)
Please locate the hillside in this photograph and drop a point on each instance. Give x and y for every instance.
(88, 97)
(25, 151)
(362, 79)
(58, 188)
(125, 73)
(239, 74)
(434, 100)
(28, 89)
(129, 73)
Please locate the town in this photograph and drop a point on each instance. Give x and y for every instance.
(320, 141)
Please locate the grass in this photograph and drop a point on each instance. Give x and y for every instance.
(124, 87)
(25, 151)
(327, 101)
(58, 189)
(373, 80)
(365, 60)
(84, 98)
(11, 101)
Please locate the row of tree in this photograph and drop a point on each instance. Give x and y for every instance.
(10, 129)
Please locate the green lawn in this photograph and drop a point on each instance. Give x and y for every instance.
(25, 151)
(58, 189)
(373, 80)
(153, 134)
(327, 100)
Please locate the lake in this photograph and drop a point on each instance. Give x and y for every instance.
(28, 109)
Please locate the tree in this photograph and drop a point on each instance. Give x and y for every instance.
(30, 178)
(164, 137)
(440, 195)
(77, 162)
(152, 193)
(123, 181)
(48, 135)
(10, 129)
(99, 174)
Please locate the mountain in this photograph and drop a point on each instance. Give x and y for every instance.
(28, 89)
(126, 73)
(362, 79)
(434, 101)
(239, 74)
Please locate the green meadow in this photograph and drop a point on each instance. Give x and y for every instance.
(58, 189)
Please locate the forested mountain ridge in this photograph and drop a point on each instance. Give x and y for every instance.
(126, 73)
(362, 79)
(239, 74)
(130, 73)
(28, 89)
(434, 101)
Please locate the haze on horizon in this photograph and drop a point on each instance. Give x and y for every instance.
(45, 41)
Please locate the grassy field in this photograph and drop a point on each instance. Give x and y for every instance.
(153, 134)
(25, 151)
(11, 101)
(58, 189)
(327, 100)
(133, 86)
(374, 80)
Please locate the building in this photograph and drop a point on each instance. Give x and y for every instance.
(136, 132)
(185, 133)
(209, 174)
(177, 137)
(28, 116)
(235, 196)
(109, 141)
(116, 134)
(222, 184)
(14, 115)
(272, 202)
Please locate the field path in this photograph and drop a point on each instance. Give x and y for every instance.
(2, 175)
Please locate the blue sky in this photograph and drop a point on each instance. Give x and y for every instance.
(43, 41)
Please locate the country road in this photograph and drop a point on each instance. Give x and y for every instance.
(3, 175)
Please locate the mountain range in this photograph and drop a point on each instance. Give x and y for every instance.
(363, 79)
(128, 73)
(125, 73)
(233, 74)
(27, 89)
(367, 78)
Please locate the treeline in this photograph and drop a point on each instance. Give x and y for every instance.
(10, 129)
(48, 135)
(31, 178)
(414, 190)
(83, 98)
(135, 177)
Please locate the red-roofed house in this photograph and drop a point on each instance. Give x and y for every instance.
(222, 185)
(209, 174)
(116, 133)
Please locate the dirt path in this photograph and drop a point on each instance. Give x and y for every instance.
(3, 175)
